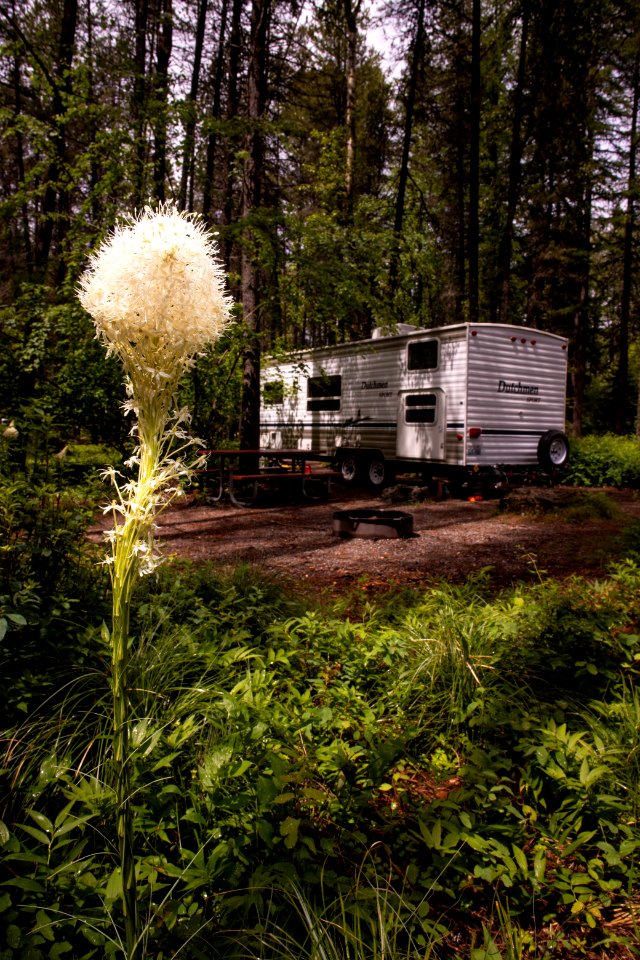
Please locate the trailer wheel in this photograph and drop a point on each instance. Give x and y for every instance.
(349, 468)
(377, 473)
(553, 450)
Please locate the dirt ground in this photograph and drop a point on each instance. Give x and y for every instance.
(452, 540)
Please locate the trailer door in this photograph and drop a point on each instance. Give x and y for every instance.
(421, 424)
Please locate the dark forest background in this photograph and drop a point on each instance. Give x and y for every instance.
(494, 178)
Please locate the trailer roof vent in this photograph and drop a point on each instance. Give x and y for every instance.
(396, 330)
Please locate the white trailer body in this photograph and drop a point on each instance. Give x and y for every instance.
(462, 397)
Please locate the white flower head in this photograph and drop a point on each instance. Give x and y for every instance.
(155, 290)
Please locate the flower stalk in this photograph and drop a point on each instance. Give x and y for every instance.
(156, 294)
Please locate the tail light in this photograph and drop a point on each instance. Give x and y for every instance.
(474, 432)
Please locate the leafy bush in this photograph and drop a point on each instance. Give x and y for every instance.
(605, 461)
(51, 590)
(82, 462)
(52, 369)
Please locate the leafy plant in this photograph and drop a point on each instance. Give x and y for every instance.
(454, 772)
(605, 461)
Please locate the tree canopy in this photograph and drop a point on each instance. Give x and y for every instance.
(492, 178)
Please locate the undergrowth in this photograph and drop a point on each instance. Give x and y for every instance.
(605, 461)
(452, 773)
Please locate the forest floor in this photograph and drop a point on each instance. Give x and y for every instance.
(453, 539)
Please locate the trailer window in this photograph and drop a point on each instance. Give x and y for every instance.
(422, 355)
(273, 393)
(323, 393)
(420, 408)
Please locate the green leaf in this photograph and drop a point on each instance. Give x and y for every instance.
(452, 839)
(59, 949)
(41, 820)
(539, 865)
(25, 883)
(95, 937)
(475, 842)
(17, 618)
(520, 858)
(312, 794)
(13, 936)
(44, 925)
(5, 836)
(289, 830)
(170, 912)
(581, 839)
(489, 951)
(114, 885)
(242, 767)
(594, 775)
(35, 833)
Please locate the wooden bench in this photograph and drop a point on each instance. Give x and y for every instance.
(277, 468)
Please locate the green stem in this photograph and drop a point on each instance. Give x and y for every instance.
(138, 518)
(122, 587)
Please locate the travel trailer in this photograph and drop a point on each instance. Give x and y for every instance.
(467, 404)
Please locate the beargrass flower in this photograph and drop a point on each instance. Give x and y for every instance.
(155, 291)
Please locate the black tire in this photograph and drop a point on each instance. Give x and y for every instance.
(553, 450)
(377, 472)
(349, 468)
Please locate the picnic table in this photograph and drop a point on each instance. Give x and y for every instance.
(248, 477)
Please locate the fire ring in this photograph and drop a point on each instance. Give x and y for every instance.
(373, 523)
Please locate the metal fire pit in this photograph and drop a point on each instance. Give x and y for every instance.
(372, 523)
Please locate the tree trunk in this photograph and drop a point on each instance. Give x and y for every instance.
(252, 188)
(474, 168)
(139, 100)
(20, 168)
(232, 110)
(513, 189)
(460, 260)
(403, 176)
(351, 12)
(55, 202)
(185, 195)
(622, 379)
(212, 139)
(581, 321)
(161, 87)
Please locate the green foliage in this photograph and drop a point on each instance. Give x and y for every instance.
(211, 390)
(605, 461)
(455, 767)
(54, 381)
(50, 590)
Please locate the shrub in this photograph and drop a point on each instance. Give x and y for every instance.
(51, 590)
(605, 461)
